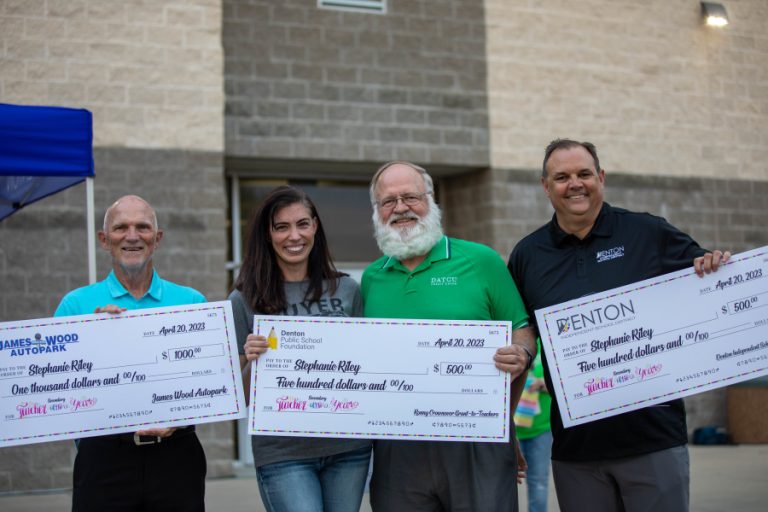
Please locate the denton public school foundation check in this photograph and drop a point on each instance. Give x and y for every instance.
(659, 339)
(381, 378)
(91, 375)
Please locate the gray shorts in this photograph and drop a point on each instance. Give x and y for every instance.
(424, 476)
(657, 481)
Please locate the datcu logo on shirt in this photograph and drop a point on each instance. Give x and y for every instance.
(444, 281)
(610, 254)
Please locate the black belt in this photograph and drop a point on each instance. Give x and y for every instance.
(137, 440)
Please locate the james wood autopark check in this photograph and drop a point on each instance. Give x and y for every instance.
(652, 341)
(90, 375)
(381, 378)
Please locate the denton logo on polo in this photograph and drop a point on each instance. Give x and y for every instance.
(444, 281)
(610, 254)
(595, 317)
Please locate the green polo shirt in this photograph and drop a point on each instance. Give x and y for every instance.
(458, 280)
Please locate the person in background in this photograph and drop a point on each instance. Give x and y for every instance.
(535, 435)
(287, 270)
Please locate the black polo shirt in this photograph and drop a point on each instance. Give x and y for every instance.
(623, 247)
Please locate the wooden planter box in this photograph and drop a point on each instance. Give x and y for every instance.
(748, 412)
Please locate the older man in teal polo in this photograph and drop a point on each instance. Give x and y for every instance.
(152, 470)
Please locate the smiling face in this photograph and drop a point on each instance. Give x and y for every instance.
(292, 235)
(130, 235)
(574, 187)
(406, 219)
(401, 181)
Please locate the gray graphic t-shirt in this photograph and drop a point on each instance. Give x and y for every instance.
(345, 302)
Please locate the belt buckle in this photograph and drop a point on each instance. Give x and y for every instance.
(138, 442)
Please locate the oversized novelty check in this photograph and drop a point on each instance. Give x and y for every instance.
(652, 341)
(381, 378)
(90, 375)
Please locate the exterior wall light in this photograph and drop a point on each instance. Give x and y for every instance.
(714, 14)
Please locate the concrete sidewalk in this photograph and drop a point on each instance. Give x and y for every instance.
(731, 478)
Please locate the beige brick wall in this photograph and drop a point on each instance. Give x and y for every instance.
(658, 92)
(151, 71)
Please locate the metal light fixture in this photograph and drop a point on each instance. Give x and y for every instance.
(714, 14)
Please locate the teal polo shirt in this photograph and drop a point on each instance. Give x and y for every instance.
(85, 300)
(458, 280)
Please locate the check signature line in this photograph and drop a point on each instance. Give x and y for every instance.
(191, 399)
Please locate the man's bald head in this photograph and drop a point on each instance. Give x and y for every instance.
(126, 201)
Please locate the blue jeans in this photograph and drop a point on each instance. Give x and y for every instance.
(322, 484)
(537, 452)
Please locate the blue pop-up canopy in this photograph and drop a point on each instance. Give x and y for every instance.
(44, 150)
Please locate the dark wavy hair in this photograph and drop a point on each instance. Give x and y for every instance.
(261, 282)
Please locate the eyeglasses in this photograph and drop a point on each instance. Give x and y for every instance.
(389, 203)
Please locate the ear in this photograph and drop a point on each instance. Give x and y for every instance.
(102, 236)
(545, 185)
(601, 176)
(159, 236)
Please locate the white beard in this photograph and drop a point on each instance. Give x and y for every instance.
(409, 242)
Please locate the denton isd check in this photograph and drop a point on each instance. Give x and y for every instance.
(652, 341)
(90, 375)
(381, 378)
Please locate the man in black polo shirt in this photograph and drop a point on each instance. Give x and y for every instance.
(637, 460)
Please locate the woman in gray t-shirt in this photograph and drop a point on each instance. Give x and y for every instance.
(287, 270)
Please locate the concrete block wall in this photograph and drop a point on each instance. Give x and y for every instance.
(657, 91)
(152, 75)
(305, 82)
